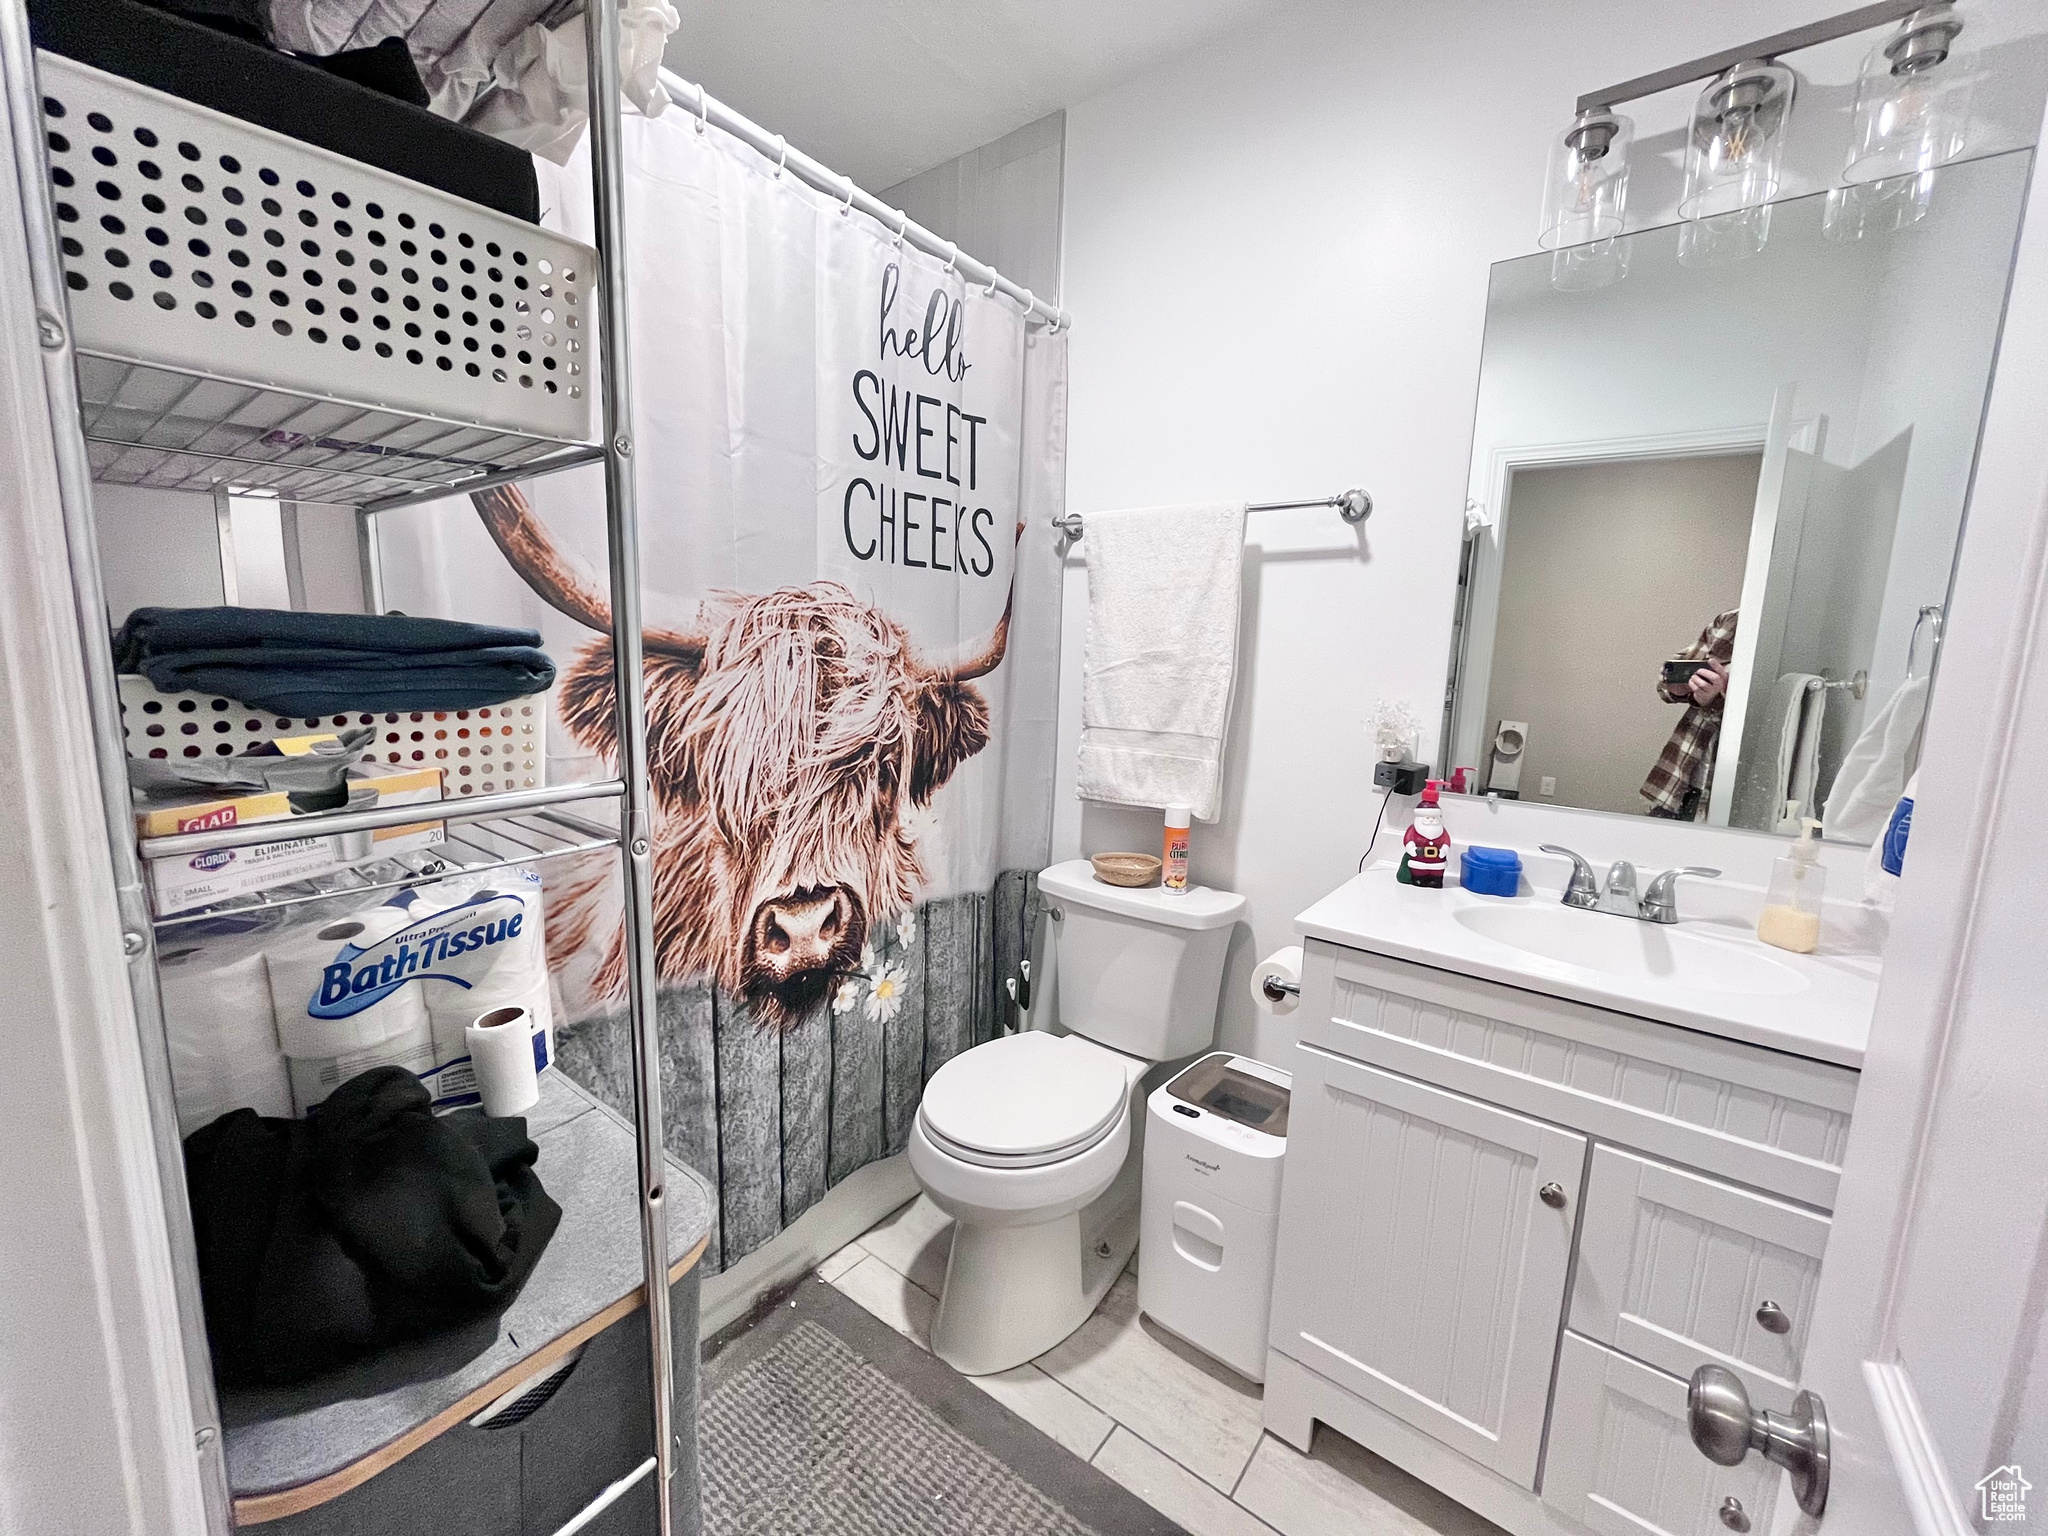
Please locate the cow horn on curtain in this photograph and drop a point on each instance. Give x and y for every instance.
(847, 463)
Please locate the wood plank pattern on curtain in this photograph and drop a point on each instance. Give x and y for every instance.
(775, 1120)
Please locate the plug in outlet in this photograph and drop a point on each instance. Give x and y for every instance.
(1548, 785)
(1402, 778)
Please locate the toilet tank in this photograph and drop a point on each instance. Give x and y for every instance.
(1140, 971)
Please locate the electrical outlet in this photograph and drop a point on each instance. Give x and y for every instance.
(1548, 785)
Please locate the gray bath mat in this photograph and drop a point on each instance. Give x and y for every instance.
(820, 1420)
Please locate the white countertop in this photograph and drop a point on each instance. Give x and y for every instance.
(1820, 1009)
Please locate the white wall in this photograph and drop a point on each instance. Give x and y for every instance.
(1276, 256)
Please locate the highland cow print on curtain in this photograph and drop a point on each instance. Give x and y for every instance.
(846, 460)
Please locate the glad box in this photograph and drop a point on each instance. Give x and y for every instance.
(206, 879)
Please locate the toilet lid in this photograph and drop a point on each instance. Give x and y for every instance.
(1025, 1099)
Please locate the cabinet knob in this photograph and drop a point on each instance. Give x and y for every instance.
(1772, 1318)
(1552, 1195)
(1733, 1515)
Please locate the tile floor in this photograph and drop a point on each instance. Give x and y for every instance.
(1171, 1425)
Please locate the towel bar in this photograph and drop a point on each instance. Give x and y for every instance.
(1354, 506)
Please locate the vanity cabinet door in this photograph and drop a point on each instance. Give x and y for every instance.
(1425, 1240)
(1622, 1464)
(1681, 1270)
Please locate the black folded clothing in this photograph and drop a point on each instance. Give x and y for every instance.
(370, 1221)
(312, 664)
(292, 96)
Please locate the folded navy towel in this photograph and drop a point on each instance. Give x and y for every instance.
(310, 664)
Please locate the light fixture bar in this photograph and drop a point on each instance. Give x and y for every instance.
(1826, 31)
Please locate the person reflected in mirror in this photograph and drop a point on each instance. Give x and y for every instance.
(1678, 781)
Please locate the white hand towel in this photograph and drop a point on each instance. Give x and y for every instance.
(1801, 702)
(1874, 772)
(1163, 587)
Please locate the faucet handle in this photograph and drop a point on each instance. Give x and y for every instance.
(1582, 890)
(1658, 903)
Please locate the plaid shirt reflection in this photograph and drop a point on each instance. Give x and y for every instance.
(1688, 757)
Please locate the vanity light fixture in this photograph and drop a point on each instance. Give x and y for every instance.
(1912, 115)
(1735, 149)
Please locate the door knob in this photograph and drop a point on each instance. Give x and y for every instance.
(1726, 1429)
(1552, 1195)
(1772, 1318)
(1733, 1515)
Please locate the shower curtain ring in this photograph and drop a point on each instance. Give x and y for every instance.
(993, 278)
(847, 207)
(902, 223)
(703, 108)
(782, 155)
(952, 257)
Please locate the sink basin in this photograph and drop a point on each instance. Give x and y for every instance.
(1635, 951)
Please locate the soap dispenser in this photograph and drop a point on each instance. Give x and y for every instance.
(1426, 850)
(1791, 918)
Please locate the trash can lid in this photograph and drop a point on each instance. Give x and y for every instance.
(1237, 1089)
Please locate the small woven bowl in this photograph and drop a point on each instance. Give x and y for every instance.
(1132, 869)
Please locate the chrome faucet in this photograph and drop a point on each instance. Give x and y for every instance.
(1618, 897)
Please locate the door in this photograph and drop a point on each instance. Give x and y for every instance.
(1774, 537)
(1928, 1342)
(1442, 1228)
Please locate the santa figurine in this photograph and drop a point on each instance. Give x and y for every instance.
(1427, 851)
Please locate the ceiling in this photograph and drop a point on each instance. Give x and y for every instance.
(884, 89)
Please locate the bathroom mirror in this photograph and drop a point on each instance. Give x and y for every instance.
(1756, 469)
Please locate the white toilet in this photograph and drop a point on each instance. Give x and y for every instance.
(1030, 1142)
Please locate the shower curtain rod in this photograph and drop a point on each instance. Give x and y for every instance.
(695, 101)
(1354, 506)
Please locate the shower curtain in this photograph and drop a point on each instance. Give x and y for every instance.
(846, 461)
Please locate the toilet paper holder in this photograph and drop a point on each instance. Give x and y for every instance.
(1276, 989)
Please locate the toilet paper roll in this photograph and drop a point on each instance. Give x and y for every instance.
(315, 1077)
(453, 1082)
(338, 988)
(1285, 964)
(501, 1052)
(222, 1034)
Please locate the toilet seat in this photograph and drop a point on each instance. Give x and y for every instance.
(1026, 1100)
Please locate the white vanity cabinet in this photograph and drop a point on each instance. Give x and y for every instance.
(1513, 1225)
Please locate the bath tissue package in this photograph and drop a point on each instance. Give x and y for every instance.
(401, 983)
(1285, 964)
(221, 1032)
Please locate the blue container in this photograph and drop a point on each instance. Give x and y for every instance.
(1490, 871)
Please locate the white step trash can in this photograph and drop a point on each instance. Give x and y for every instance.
(1215, 1149)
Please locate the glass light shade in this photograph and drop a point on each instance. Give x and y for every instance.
(1585, 188)
(1912, 101)
(1737, 144)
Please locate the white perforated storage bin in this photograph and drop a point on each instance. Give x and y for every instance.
(239, 298)
(489, 750)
